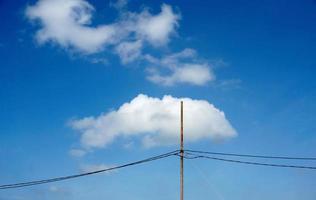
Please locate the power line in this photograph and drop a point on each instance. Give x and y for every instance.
(196, 156)
(251, 155)
(188, 154)
(43, 181)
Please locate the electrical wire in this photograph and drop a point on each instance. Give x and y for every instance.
(188, 154)
(37, 182)
(251, 155)
(197, 156)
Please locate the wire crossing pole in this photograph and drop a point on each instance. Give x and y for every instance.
(181, 154)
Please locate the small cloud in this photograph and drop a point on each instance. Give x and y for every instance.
(129, 51)
(102, 61)
(129, 145)
(77, 152)
(57, 192)
(194, 74)
(119, 4)
(229, 84)
(183, 67)
(92, 168)
(53, 188)
(156, 29)
(219, 63)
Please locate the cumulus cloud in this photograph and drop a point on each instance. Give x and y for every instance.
(157, 29)
(69, 24)
(66, 22)
(156, 122)
(184, 67)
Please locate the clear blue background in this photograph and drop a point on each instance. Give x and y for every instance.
(270, 46)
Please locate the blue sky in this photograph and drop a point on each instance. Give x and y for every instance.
(258, 63)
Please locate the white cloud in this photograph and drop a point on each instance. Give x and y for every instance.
(157, 29)
(195, 74)
(229, 84)
(69, 24)
(119, 4)
(99, 60)
(77, 152)
(98, 167)
(129, 51)
(156, 121)
(66, 22)
(57, 192)
(184, 67)
(53, 188)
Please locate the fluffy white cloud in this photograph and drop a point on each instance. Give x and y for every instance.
(184, 67)
(68, 23)
(156, 121)
(157, 29)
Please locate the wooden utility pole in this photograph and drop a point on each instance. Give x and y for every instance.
(181, 154)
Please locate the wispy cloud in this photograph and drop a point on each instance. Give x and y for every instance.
(97, 167)
(129, 51)
(229, 84)
(182, 67)
(77, 152)
(119, 4)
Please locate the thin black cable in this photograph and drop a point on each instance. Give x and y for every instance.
(37, 182)
(251, 155)
(196, 156)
